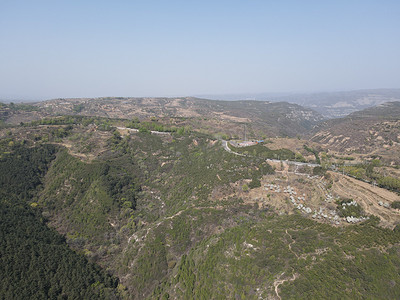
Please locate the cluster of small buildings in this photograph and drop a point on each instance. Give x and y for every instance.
(305, 209)
(344, 204)
(354, 220)
(292, 195)
(329, 198)
(323, 214)
(290, 190)
(351, 219)
(246, 143)
(272, 187)
(296, 200)
(384, 204)
(331, 215)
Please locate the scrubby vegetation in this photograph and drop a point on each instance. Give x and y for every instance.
(366, 172)
(245, 260)
(146, 126)
(349, 208)
(313, 151)
(102, 123)
(262, 151)
(395, 204)
(89, 193)
(164, 213)
(36, 263)
(320, 171)
(390, 183)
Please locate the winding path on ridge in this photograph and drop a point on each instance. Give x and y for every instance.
(278, 282)
(289, 162)
(290, 244)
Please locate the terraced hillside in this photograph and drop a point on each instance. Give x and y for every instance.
(375, 131)
(175, 215)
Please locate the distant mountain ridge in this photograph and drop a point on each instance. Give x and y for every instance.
(372, 129)
(329, 104)
(389, 110)
(266, 118)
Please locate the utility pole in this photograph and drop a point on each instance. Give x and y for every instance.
(244, 125)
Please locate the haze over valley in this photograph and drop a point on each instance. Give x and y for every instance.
(213, 150)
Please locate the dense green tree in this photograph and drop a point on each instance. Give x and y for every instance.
(36, 262)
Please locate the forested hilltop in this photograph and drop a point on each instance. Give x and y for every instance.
(101, 208)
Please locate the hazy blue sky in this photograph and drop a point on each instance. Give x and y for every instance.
(177, 48)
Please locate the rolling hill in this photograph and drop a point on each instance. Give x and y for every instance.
(374, 130)
(262, 118)
(329, 104)
(175, 215)
(146, 203)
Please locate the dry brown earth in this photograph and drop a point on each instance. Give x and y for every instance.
(368, 196)
(315, 191)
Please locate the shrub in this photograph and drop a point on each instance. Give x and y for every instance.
(395, 204)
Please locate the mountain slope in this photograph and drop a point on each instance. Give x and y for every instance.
(175, 215)
(340, 104)
(36, 262)
(373, 130)
(262, 118)
(329, 104)
(387, 110)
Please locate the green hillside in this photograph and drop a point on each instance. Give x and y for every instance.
(169, 216)
(36, 262)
